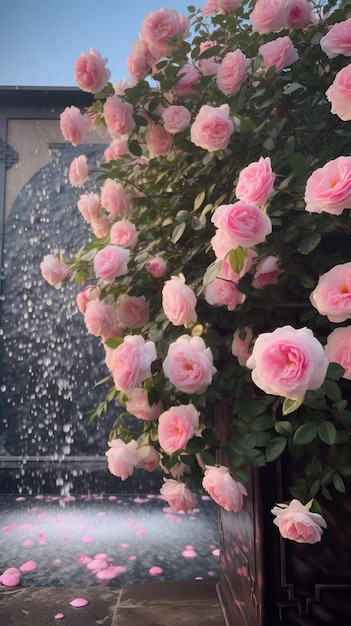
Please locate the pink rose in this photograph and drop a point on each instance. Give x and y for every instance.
(100, 226)
(148, 458)
(267, 272)
(338, 349)
(223, 293)
(158, 141)
(241, 344)
(242, 224)
(159, 27)
(332, 295)
(339, 94)
(53, 270)
(337, 40)
(117, 148)
(138, 405)
(228, 273)
(176, 119)
(118, 116)
(124, 233)
(178, 301)
(78, 171)
(280, 53)
(176, 426)
(139, 61)
(110, 263)
(297, 523)
(189, 76)
(133, 311)
(232, 72)
(297, 14)
(189, 364)
(288, 362)
(101, 320)
(256, 181)
(157, 267)
(90, 72)
(121, 458)
(89, 206)
(329, 187)
(114, 199)
(74, 125)
(178, 496)
(130, 363)
(220, 7)
(212, 128)
(210, 8)
(208, 66)
(223, 489)
(90, 292)
(267, 16)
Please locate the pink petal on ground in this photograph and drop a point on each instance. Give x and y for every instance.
(28, 543)
(189, 547)
(155, 570)
(215, 552)
(20, 499)
(6, 527)
(39, 498)
(124, 545)
(87, 539)
(84, 558)
(12, 570)
(110, 572)
(101, 513)
(111, 498)
(59, 615)
(97, 564)
(28, 566)
(189, 554)
(101, 555)
(78, 602)
(141, 532)
(56, 562)
(132, 557)
(10, 580)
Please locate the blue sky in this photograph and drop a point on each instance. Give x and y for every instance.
(41, 39)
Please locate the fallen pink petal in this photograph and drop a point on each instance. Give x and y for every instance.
(28, 566)
(79, 602)
(59, 615)
(10, 580)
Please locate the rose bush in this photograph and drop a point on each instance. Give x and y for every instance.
(218, 267)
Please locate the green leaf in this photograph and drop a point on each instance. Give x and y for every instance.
(289, 405)
(207, 458)
(309, 244)
(275, 448)
(327, 432)
(199, 200)
(335, 371)
(237, 258)
(332, 390)
(178, 232)
(212, 272)
(305, 433)
(113, 342)
(195, 445)
(284, 428)
(339, 483)
(135, 148)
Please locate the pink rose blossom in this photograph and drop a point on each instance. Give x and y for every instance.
(90, 72)
(117, 148)
(138, 405)
(74, 125)
(267, 16)
(296, 522)
(329, 187)
(189, 76)
(338, 349)
(121, 458)
(189, 364)
(176, 426)
(208, 66)
(337, 40)
(222, 292)
(212, 128)
(89, 206)
(288, 362)
(159, 27)
(179, 301)
(110, 263)
(339, 94)
(148, 458)
(100, 226)
(241, 344)
(220, 7)
(332, 295)
(118, 116)
(241, 224)
(280, 53)
(138, 61)
(101, 320)
(53, 270)
(256, 181)
(133, 311)
(267, 272)
(114, 199)
(157, 267)
(90, 292)
(130, 363)
(124, 233)
(176, 119)
(223, 489)
(232, 72)
(158, 141)
(178, 496)
(78, 171)
(297, 14)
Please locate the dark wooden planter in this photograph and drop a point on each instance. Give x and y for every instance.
(268, 581)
